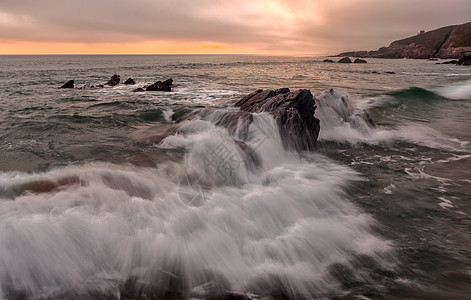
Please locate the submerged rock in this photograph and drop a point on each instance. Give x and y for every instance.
(138, 90)
(359, 61)
(68, 85)
(114, 80)
(345, 60)
(294, 112)
(328, 60)
(336, 110)
(130, 81)
(165, 86)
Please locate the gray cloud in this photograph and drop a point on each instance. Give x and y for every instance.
(304, 26)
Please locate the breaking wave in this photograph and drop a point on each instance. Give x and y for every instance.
(239, 214)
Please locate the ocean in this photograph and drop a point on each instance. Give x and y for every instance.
(100, 199)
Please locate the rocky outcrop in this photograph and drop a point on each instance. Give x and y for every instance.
(294, 112)
(68, 85)
(446, 42)
(114, 80)
(165, 86)
(359, 61)
(345, 60)
(130, 81)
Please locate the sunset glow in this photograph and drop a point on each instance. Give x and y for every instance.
(278, 27)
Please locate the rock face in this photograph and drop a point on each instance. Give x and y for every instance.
(114, 80)
(359, 61)
(130, 81)
(345, 60)
(294, 112)
(465, 60)
(165, 86)
(446, 42)
(68, 85)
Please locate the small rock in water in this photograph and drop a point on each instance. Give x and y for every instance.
(168, 82)
(68, 85)
(359, 61)
(390, 72)
(138, 90)
(465, 60)
(450, 62)
(328, 60)
(165, 86)
(130, 81)
(114, 80)
(345, 60)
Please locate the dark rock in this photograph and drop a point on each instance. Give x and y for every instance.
(390, 72)
(375, 72)
(68, 85)
(294, 112)
(359, 61)
(130, 81)
(465, 60)
(165, 86)
(450, 62)
(168, 82)
(100, 86)
(345, 60)
(138, 90)
(328, 60)
(114, 80)
(432, 59)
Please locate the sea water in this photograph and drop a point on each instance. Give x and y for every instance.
(99, 198)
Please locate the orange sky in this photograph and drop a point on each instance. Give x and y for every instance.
(158, 47)
(278, 27)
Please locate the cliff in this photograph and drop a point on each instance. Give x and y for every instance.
(446, 42)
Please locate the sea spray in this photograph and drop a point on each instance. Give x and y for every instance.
(344, 121)
(282, 226)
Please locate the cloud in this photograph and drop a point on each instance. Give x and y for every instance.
(271, 26)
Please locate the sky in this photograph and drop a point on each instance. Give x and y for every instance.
(272, 27)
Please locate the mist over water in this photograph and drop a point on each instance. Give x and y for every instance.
(102, 194)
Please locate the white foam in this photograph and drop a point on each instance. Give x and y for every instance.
(280, 223)
(342, 121)
(457, 91)
(445, 203)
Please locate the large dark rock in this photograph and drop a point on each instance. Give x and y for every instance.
(294, 112)
(114, 80)
(165, 86)
(130, 81)
(345, 60)
(68, 85)
(465, 60)
(359, 61)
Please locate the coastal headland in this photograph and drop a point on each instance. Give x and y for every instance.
(447, 42)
